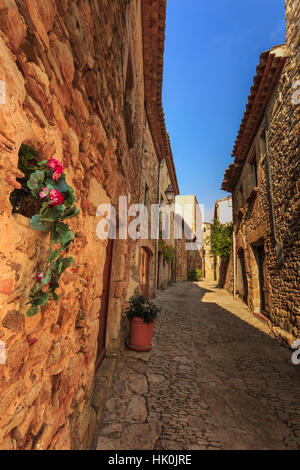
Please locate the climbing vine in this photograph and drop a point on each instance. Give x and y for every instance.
(221, 239)
(47, 184)
(168, 253)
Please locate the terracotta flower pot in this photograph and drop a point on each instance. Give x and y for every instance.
(140, 335)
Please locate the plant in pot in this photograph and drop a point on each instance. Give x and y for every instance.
(142, 315)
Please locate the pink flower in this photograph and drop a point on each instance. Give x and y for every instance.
(44, 192)
(56, 198)
(40, 277)
(31, 340)
(57, 167)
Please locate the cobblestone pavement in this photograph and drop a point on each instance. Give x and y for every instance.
(214, 379)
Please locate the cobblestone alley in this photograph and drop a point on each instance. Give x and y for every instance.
(215, 379)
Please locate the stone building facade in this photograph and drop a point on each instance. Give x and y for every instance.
(83, 84)
(208, 258)
(264, 181)
(188, 206)
(223, 210)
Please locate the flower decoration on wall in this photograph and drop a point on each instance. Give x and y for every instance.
(47, 184)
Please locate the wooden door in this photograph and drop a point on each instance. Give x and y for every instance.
(144, 271)
(261, 277)
(104, 304)
(158, 270)
(242, 277)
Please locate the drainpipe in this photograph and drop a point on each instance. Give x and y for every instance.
(278, 244)
(175, 258)
(161, 164)
(234, 263)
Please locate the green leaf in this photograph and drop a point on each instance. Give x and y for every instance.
(66, 263)
(44, 207)
(41, 299)
(53, 213)
(60, 230)
(42, 163)
(67, 239)
(69, 198)
(55, 254)
(35, 291)
(47, 278)
(32, 311)
(63, 235)
(60, 185)
(69, 261)
(53, 286)
(54, 296)
(70, 212)
(59, 268)
(35, 181)
(37, 223)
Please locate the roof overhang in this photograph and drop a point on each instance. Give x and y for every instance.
(267, 75)
(154, 21)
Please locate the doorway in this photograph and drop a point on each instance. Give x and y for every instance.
(144, 271)
(260, 292)
(242, 283)
(104, 304)
(159, 270)
(261, 277)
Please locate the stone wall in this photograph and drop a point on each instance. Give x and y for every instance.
(74, 91)
(165, 267)
(253, 198)
(208, 259)
(284, 142)
(181, 273)
(147, 176)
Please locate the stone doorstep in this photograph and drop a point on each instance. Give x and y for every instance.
(262, 318)
(102, 383)
(283, 337)
(104, 378)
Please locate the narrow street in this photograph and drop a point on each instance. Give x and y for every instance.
(215, 379)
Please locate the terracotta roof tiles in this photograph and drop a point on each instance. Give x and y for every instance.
(267, 74)
(154, 18)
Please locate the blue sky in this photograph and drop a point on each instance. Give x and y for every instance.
(212, 49)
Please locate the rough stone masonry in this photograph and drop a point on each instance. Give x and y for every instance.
(74, 82)
(264, 181)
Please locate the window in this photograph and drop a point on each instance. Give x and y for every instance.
(254, 169)
(147, 197)
(21, 199)
(263, 143)
(241, 195)
(147, 204)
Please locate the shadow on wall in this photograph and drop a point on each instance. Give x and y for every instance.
(222, 272)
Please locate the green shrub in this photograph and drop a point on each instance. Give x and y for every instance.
(169, 253)
(139, 306)
(195, 275)
(199, 274)
(221, 239)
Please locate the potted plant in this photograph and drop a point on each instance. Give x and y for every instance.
(142, 315)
